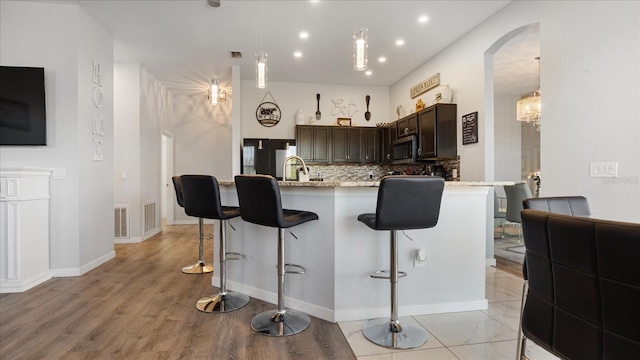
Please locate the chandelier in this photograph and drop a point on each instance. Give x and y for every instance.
(529, 107)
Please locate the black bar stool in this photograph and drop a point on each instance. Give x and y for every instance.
(202, 199)
(200, 267)
(260, 203)
(404, 203)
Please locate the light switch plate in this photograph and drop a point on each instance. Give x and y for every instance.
(603, 169)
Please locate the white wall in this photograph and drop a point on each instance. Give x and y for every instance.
(155, 114)
(143, 112)
(127, 142)
(583, 121)
(293, 96)
(65, 41)
(507, 138)
(96, 182)
(202, 140)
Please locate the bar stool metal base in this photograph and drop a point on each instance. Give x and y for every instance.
(273, 323)
(220, 303)
(197, 268)
(392, 335)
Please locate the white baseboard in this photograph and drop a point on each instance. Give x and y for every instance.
(491, 261)
(69, 272)
(15, 286)
(138, 239)
(356, 313)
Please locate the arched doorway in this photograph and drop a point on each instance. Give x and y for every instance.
(511, 70)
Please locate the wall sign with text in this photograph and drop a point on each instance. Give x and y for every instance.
(470, 128)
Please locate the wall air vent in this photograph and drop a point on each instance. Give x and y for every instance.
(121, 217)
(149, 216)
(236, 54)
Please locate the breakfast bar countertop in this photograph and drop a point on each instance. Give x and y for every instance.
(353, 183)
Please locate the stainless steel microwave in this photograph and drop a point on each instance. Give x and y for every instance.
(405, 150)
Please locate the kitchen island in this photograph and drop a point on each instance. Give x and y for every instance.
(339, 253)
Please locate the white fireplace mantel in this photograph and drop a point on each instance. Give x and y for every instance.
(24, 228)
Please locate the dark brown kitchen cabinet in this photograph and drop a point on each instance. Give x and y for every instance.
(408, 125)
(389, 135)
(313, 143)
(437, 132)
(346, 145)
(371, 144)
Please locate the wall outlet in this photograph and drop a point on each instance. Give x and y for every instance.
(603, 169)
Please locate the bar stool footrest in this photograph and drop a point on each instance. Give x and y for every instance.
(294, 269)
(381, 332)
(234, 256)
(386, 274)
(271, 323)
(198, 268)
(222, 303)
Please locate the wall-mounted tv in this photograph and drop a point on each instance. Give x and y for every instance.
(23, 119)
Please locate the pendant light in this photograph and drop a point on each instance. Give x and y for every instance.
(529, 107)
(360, 48)
(215, 83)
(360, 45)
(261, 61)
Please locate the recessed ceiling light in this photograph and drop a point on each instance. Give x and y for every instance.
(297, 54)
(382, 59)
(368, 73)
(423, 19)
(304, 35)
(399, 42)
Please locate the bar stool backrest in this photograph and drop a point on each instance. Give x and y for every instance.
(408, 202)
(584, 278)
(566, 205)
(259, 200)
(177, 185)
(201, 195)
(516, 194)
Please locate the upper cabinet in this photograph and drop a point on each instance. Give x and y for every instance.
(371, 144)
(346, 145)
(437, 132)
(408, 125)
(389, 135)
(313, 143)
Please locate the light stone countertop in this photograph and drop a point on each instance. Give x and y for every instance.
(335, 183)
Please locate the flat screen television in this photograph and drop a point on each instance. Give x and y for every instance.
(23, 119)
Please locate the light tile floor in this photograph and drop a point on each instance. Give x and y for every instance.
(473, 335)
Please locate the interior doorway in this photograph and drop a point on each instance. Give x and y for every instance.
(168, 194)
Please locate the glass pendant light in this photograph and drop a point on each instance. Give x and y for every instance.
(360, 48)
(261, 70)
(261, 61)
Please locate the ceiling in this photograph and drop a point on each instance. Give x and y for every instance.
(184, 43)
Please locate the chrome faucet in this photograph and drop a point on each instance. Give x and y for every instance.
(284, 166)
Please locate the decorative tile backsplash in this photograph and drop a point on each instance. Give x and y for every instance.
(354, 172)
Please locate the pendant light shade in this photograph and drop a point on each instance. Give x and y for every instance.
(213, 93)
(529, 107)
(261, 70)
(360, 44)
